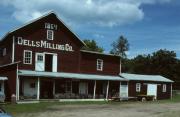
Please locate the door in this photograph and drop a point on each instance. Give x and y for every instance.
(54, 66)
(39, 62)
(83, 88)
(152, 89)
(48, 62)
(124, 89)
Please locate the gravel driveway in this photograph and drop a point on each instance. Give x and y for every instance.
(111, 110)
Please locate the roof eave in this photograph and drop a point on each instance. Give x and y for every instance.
(10, 64)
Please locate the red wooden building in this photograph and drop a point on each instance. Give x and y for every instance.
(44, 60)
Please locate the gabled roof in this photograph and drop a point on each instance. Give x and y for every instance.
(43, 16)
(138, 77)
(70, 75)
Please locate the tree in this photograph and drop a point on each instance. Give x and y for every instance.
(120, 47)
(141, 64)
(162, 62)
(92, 46)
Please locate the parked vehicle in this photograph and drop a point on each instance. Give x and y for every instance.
(2, 97)
(3, 113)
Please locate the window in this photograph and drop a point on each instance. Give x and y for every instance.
(50, 34)
(39, 58)
(99, 64)
(138, 87)
(4, 52)
(164, 88)
(27, 57)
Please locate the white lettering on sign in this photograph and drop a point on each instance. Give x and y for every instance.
(44, 44)
(50, 26)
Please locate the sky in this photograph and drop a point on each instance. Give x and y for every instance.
(149, 25)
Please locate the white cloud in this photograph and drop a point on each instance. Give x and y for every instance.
(98, 12)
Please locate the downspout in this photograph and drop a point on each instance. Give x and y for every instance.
(13, 49)
(17, 84)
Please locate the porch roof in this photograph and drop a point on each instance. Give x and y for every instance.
(3, 78)
(139, 77)
(69, 75)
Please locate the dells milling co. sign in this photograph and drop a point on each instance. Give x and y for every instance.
(45, 44)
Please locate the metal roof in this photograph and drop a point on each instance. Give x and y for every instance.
(3, 78)
(70, 75)
(139, 77)
(93, 52)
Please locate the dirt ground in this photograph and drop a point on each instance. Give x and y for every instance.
(111, 110)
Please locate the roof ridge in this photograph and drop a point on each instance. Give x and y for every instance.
(45, 14)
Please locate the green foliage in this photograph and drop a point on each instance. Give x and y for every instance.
(120, 47)
(161, 62)
(92, 46)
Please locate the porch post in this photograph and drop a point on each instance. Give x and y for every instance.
(107, 90)
(119, 89)
(17, 94)
(17, 84)
(171, 92)
(54, 88)
(94, 96)
(38, 89)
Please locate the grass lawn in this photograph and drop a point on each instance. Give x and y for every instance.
(43, 106)
(174, 100)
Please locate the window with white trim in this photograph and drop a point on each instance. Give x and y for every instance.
(27, 57)
(138, 87)
(164, 88)
(99, 64)
(50, 34)
(4, 51)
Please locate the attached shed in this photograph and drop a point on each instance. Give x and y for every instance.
(156, 85)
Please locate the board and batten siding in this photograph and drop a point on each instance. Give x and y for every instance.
(67, 61)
